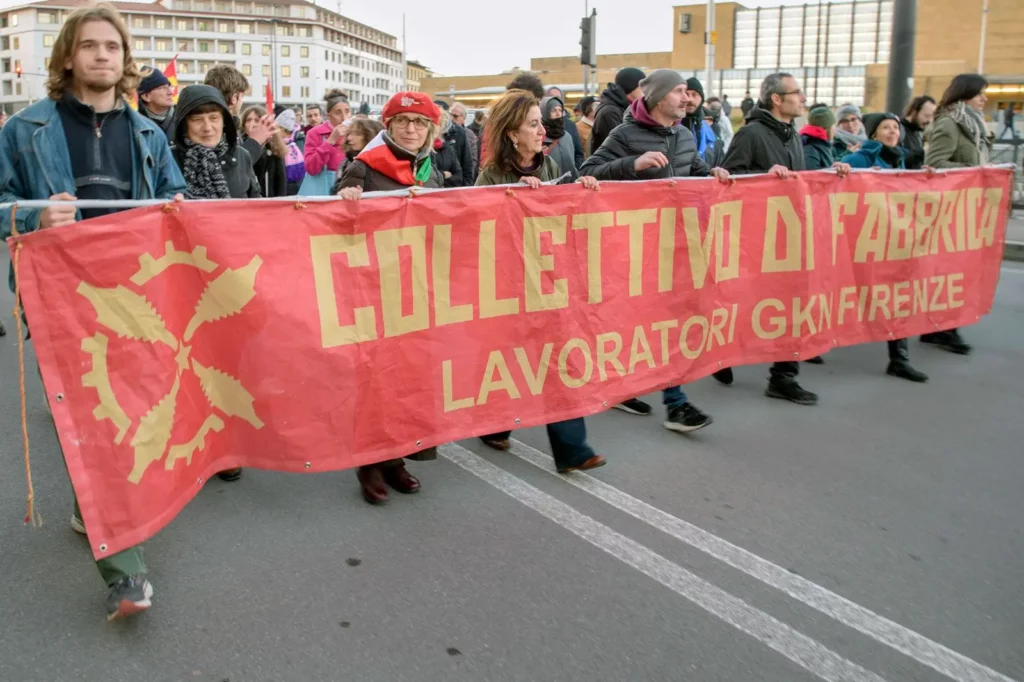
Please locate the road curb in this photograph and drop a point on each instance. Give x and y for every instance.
(1013, 251)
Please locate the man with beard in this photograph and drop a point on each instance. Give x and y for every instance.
(695, 116)
(233, 85)
(918, 116)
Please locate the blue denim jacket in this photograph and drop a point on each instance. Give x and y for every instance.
(34, 163)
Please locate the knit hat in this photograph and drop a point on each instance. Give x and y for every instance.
(658, 84)
(872, 121)
(629, 79)
(821, 116)
(153, 80)
(286, 120)
(441, 104)
(410, 103)
(848, 110)
(695, 85)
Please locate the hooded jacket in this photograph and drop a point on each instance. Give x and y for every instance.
(236, 164)
(912, 140)
(563, 148)
(638, 134)
(611, 110)
(817, 148)
(763, 142)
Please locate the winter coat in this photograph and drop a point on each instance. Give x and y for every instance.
(638, 134)
(317, 154)
(950, 145)
(269, 171)
(912, 140)
(746, 106)
(358, 174)
(762, 143)
(873, 154)
(474, 148)
(236, 164)
(701, 131)
(446, 159)
(166, 125)
(817, 148)
(577, 142)
(585, 129)
(457, 134)
(545, 169)
(611, 110)
(564, 154)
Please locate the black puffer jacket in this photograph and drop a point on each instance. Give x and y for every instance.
(640, 134)
(457, 135)
(763, 142)
(236, 164)
(611, 110)
(358, 174)
(913, 141)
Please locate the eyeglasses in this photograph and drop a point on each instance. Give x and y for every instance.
(405, 121)
(848, 119)
(791, 92)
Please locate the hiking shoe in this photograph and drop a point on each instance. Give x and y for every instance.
(77, 524)
(903, 370)
(591, 463)
(128, 596)
(951, 341)
(634, 406)
(790, 390)
(816, 360)
(686, 418)
(724, 376)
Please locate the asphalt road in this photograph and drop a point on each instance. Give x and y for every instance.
(877, 536)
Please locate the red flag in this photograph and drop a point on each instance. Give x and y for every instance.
(171, 72)
(270, 99)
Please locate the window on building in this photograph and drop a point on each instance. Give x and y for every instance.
(16, 42)
(243, 28)
(304, 72)
(46, 17)
(247, 69)
(204, 67)
(223, 27)
(5, 66)
(204, 46)
(243, 8)
(246, 49)
(223, 7)
(266, 50)
(286, 71)
(8, 88)
(48, 40)
(184, 46)
(266, 70)
(161, 23)
(5, 43)
(305, 92)
(183, 25)
(137, 44)
(17, 88)
(184, 67)
(286, 50)
(286, 91)
(227, 47)
(202, 25)
(304, 51)
(14, 20)
(163, 45)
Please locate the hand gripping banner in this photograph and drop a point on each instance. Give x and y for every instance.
(174, 344)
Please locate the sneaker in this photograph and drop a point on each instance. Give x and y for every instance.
(230, 475)
(634, 406)
(128, 596)
(951, 341)
(724, 376)
(687, 418)
(591, 463)
(816, 360)
(903, 370)
(789, 389)
(77, 524)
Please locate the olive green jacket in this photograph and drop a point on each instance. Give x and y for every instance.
(492, 175)
(950, 146)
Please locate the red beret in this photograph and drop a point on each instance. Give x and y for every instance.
(411, 103)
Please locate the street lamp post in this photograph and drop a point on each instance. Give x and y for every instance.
(901, 55)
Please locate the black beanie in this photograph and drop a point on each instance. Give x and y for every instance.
(629, 79)
(872, 121)
(152, 80)
(694, 84)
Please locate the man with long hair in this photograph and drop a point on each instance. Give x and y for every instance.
(84, 142)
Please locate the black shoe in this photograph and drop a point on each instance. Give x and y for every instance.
(230, 475)
(816, 360)
(634, 406)
(128, 596)
(724, 376)
(903, 370)
(951, 341)
(687, 418)
(3, 330)
(789, 389)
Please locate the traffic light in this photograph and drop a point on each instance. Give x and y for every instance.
(588, 30)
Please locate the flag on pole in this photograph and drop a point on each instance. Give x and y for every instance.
(171, 72)
(270, 99)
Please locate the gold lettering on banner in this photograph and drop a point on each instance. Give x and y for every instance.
(841, 204)
(955, 287)
(901, 222)
(809, 232)
(725, 245)
(332, 332)
(684, 347)
(388, 244)
(780, 209)
(880, 298)
(925, 215)
(663, 327)
(900, 301)
(535, 378)
(945, 223)
(636, 221)
(450, 402)
(990, 215)
(640, 350)
(802, 316)
(563, 363)
(537, 263)
(719, 318)
(666, 249)
(490, 304)
(845, 303)
(874, 235)
(778, 322)
(609, 357)
(496, 364)
(441, 261)
(593, 223)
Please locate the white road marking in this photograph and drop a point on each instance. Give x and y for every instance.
(1013, 271)
(776, 635)
(906, 641)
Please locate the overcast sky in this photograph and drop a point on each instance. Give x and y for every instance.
(454, 38)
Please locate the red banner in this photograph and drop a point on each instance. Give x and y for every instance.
(176, 344)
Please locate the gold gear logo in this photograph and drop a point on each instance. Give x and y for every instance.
(129, 314)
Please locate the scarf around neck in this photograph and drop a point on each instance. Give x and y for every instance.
(971, 121)
(204, 176)
(379, 156)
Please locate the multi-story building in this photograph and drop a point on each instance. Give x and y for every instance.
(301, 49)
(838, 50)
(416, 74)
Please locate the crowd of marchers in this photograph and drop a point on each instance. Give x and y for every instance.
(84, 141)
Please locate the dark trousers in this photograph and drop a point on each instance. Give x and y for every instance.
(784, 370)
(568, 442)
(899, 350)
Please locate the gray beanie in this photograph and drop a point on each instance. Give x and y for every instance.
(846, 110)
(659, 83)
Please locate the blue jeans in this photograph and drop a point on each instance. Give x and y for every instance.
(568, 442)
(673, 397)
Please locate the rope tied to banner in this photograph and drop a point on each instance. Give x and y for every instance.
(31, 515)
